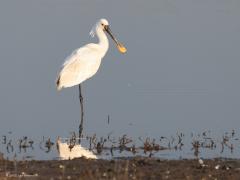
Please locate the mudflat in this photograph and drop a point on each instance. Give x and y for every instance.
(127, 168)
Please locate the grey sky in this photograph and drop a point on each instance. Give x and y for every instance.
(181, 71)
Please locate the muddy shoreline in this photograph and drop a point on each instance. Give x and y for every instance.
(133, 168)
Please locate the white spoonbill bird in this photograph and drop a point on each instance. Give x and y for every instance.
(84, 62)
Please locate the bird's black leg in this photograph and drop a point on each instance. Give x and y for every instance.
(81, 107)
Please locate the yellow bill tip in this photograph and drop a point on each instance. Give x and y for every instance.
(121, 48)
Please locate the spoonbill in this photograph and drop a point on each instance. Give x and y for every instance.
(84, 62)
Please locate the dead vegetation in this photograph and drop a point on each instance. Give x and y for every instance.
(196, 144)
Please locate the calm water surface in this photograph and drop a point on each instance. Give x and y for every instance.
(180, 73)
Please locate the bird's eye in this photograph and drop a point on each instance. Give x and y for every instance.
(102, 24)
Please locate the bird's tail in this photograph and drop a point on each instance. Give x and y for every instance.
(59, 87)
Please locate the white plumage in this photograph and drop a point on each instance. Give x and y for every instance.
(76, 151)
(84, 62)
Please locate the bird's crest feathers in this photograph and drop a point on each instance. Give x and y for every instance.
(93, 31)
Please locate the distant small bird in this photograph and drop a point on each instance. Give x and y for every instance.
(84, 62)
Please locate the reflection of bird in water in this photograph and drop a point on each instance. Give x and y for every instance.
(65, 152)
(85, 61)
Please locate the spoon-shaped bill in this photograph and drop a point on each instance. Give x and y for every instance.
(120, 46)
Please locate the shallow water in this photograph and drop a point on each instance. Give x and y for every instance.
(178, 146)
(179, 74)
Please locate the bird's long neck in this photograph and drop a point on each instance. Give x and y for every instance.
(103, 40)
